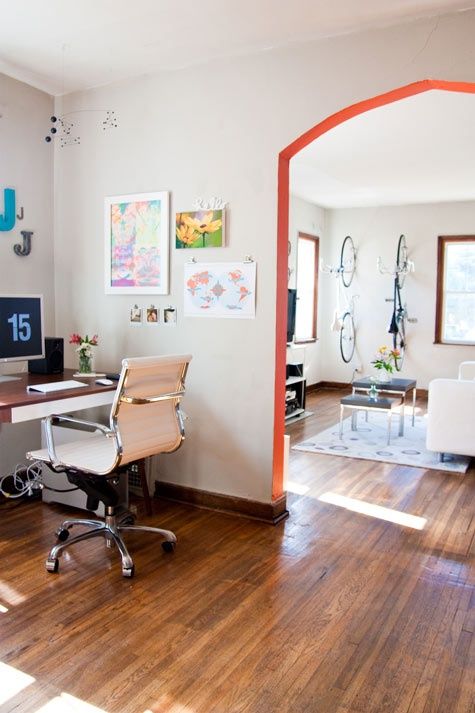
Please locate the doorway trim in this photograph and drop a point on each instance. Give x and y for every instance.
(327, 124)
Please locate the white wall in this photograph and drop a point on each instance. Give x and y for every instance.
(375, 232)
(217, 129)
(305, 217)
(26, 164)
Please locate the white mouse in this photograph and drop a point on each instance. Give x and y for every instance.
(104, 382)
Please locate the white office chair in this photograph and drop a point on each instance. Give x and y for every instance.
(145, 420)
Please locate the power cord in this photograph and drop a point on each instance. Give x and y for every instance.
(25, 480)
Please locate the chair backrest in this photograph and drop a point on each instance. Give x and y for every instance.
(145, 413)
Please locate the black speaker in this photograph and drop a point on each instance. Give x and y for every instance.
(53, 363)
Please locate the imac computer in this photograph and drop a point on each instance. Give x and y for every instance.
(21, 329)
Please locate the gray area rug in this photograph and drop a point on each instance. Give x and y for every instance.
(369, 443)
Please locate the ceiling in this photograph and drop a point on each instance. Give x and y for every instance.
(62, 46)
(417, 150)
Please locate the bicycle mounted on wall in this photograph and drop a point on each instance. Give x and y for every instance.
(399, 317)
(343, 320)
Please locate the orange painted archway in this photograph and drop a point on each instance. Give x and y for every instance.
(283, 232)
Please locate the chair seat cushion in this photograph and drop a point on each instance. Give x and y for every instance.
(95, 455)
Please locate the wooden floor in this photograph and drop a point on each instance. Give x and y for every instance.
(331, 611)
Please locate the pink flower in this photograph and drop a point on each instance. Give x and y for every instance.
(82, 341)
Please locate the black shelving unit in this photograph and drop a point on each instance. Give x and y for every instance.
(295, 382)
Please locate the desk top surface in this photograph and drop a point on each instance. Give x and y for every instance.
(13, 394)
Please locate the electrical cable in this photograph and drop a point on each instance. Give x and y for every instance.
(26, 479)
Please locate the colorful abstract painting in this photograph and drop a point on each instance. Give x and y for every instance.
(200, 229)
(220, 290)
(136, 241)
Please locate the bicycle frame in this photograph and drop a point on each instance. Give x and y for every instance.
(397, 325)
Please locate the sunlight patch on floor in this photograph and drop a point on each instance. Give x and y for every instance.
(12, 681)
(377, 511)
(297, 488)
(66, 703)
(10, 595)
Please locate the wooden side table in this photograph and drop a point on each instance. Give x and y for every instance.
(358, 402)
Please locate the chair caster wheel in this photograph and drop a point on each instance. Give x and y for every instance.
(62, 534)
(168, 546)
(52, 566)
(128, 571)
(128, 520)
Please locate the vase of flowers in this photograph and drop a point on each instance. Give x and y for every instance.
(84, 347)
(385, 363)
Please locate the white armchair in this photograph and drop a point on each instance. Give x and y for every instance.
(451, 413)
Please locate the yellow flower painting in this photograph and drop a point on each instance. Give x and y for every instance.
(200, 229)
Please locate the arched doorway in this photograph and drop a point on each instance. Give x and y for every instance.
(282, 239)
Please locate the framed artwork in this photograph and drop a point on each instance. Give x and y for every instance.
(220, 290)
(136, 230)
(200, 229)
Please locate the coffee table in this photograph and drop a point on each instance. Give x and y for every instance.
(358, 402)
(396, 386)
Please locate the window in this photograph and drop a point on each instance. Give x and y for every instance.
(455, 309)
(307, 288)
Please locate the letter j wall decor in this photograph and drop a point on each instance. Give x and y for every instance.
(136, 230)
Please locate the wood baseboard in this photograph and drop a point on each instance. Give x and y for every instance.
(272, 513)
(328, 385)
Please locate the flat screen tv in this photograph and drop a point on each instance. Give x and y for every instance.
(291, 312)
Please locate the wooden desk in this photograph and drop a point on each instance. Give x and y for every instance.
(17, 404)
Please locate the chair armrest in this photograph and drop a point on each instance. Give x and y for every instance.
(56, 420)
(467, 370)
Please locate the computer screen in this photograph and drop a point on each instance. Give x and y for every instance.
(21, 327)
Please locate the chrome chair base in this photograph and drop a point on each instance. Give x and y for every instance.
(110, 529)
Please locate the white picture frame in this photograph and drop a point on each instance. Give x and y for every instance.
(136, 242)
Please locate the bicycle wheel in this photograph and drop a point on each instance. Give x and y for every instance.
(347, 261)
(401, 260)
(347, 337)
(399, 338)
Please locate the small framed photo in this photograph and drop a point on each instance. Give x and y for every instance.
(152, 316)
(169, 316)
(135, 316)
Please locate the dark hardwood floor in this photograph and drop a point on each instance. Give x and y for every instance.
(329, 612)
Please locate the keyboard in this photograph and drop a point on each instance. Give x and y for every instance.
(56, 386)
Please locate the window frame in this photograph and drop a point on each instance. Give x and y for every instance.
(444, 240)
(316, 241)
